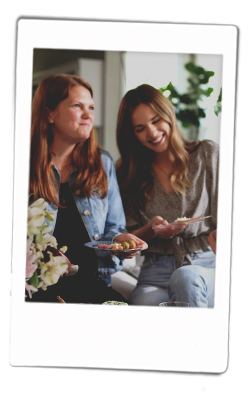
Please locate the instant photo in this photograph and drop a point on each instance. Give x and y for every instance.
(196, 72)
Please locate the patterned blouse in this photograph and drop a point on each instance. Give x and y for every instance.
(200, 199)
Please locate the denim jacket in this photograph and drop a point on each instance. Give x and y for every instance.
(103, 217)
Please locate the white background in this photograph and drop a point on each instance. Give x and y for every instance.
(63, 383)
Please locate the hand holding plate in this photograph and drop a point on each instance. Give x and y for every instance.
(129, 244)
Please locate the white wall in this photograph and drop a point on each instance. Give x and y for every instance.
(156, 69)
(92, 71)
(112, 98)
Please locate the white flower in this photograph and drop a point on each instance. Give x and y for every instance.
(31, 260)
(30, 289)
(45, 264)
(45, 240)
(63, 249)
(39, 203)
(52, 270)
(36, 216)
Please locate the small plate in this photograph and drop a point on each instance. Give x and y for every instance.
(93, 245)
(191, 220)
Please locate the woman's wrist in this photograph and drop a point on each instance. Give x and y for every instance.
(146, 232)
(152, 232)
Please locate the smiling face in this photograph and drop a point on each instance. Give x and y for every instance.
(150, 128)
(72, 120)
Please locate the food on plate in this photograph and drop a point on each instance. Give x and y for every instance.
(185, 220)
(182, 219)
(128, 245)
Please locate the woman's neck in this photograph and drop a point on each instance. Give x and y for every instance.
(61, 155)
(165, 162)
(62, 159)
(163, 168)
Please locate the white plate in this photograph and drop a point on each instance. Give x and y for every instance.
(192, 220)
(93, 245)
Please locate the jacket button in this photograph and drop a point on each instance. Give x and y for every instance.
(86, 212)
(96, 236)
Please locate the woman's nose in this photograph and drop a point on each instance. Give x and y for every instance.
(85, 112)
(152, 131)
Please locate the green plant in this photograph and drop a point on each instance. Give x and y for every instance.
(218, 105)
(187, 105)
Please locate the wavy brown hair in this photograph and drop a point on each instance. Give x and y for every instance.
(86, 157)
(134, 168)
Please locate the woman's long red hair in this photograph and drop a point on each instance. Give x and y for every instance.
(86, 157)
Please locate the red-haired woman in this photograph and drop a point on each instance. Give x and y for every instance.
(162, 178)
(78, 181)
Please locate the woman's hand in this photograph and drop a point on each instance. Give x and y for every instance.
(129, 237)
(212, 240)
(126, 237)
(159, 227)
(163, 229)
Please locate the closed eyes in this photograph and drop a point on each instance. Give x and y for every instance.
(140, 128)
(155, 120)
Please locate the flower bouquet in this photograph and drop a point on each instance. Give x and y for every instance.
(45, 263)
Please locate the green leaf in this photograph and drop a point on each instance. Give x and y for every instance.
(220, 95)
(188, 118)
(49, 216)
(186, 99)
(218, 105)
(206, 92)
(172, 89)
(34, 280)
(217, 108)
(190, 66)
(201, 113)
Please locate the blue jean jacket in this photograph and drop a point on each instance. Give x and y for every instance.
(103, 217)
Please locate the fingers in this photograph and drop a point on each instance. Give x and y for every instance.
(180, 228)
(60, 299)
(135, 238)
(167, 231)
(157, 220)
(126, 237)
(212, 240)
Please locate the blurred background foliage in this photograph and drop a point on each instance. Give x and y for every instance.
(188, 105)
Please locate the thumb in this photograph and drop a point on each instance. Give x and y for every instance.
(156, 220)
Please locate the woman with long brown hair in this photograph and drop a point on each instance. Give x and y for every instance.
(164, 178)
(77, 179)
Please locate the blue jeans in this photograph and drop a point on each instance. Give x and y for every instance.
(160, 281)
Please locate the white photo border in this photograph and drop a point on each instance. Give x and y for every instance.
(139, 338)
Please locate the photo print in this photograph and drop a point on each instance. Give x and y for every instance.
(148, 128)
